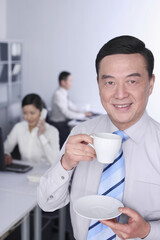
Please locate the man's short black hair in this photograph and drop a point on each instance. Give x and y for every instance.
(126, 45)
(63, 76)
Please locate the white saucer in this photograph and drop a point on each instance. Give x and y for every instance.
(97, 207)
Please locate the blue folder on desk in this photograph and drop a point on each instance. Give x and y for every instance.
(13, 167)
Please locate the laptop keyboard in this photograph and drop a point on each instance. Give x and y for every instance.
(17, 166)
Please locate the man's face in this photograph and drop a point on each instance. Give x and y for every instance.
(124, 88)
(67, 83)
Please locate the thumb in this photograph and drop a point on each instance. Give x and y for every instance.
(128, 211)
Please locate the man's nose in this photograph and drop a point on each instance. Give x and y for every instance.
(121, 91)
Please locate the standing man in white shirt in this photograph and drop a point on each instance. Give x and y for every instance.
(125, 78)
(63, 109)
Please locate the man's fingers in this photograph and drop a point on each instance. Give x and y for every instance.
(78, 145)
(80, 138)
(115, 226)
(122, 227)
(129, 212)
(79, 158)
(136, 226)
(83, 151)
(109, 223)
(76, 150)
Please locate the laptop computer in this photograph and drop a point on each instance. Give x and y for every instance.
(13, 167)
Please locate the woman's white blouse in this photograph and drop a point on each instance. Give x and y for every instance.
(34, 148)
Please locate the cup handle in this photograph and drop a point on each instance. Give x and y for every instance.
(90, 143)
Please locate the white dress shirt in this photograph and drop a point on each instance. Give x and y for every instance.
(63, 108)
(33, 148)
(142, 176)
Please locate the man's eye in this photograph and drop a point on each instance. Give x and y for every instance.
(110, 83)
(132, 81)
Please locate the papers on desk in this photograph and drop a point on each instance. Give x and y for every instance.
(34, 177)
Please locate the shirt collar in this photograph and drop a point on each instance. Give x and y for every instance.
(135, 132)
(65, 91)
(27, 128)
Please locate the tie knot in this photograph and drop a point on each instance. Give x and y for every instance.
(122, 134)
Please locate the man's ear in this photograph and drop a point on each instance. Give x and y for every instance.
(97, 79)
(62, 83)
(152, 81)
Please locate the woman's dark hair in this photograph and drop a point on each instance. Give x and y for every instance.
(126, 45)
(34, 99)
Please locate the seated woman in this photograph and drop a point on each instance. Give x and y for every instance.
(37, 140)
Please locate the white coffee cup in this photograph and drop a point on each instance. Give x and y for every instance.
(106, 145)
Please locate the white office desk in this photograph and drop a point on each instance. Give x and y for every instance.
(13, 208)
(18, 182)
(18, 198)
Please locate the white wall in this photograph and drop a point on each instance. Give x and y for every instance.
(2, 19)
(66, 35)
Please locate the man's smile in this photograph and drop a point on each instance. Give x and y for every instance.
(122, 106)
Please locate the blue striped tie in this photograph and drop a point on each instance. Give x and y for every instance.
(111, 184)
